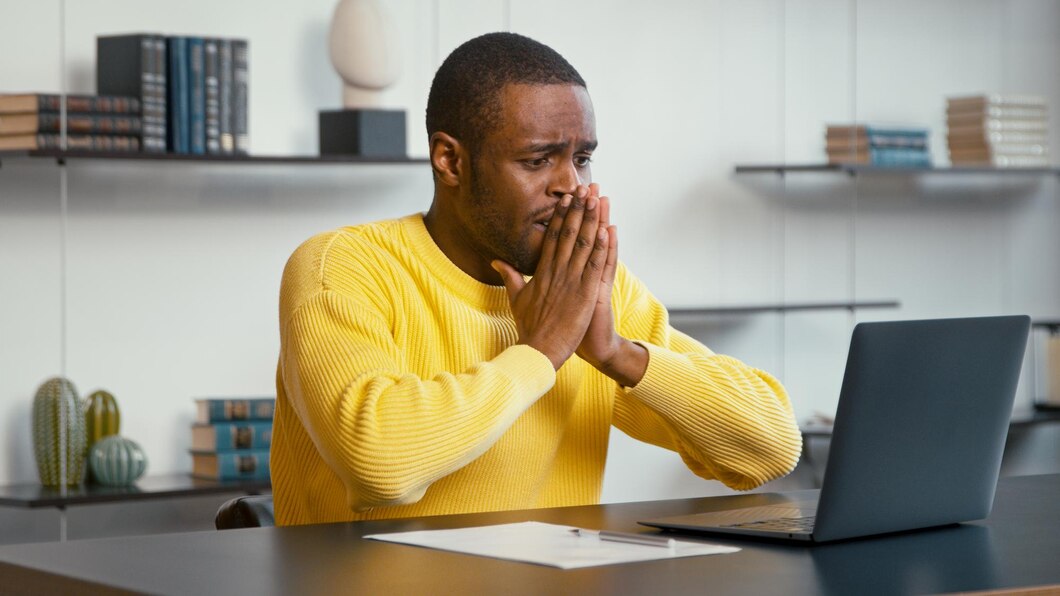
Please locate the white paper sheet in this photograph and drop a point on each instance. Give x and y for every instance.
(546, 544)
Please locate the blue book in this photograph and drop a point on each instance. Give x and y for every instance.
(210, 410)
(178, 128)
(197, 95)
(222, 436)
(899, 157)
(249, 464)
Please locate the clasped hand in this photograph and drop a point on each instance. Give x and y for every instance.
(566, 306)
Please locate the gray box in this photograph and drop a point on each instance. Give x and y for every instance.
(363, 132)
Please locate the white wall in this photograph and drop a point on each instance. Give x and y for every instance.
(168, 273)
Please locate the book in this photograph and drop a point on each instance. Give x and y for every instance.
(197, 95)
(210, 410)
(179, 119)
(225, 86)
(1007, 161)
(841, 143)
(240, 95)
(974, 118)
(136, 65)
(883, 156)
(213, 96)
(51, 102)
(999, 149)
(996, 99)
(248, 434)
(854, 130)
(1010, 112)
(250, 464)
(998, 125)
(73, 142)
(980, 136)
(76, 123)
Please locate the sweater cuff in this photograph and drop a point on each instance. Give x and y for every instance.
(663, 367)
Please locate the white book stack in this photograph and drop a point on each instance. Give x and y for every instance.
(1003, 131)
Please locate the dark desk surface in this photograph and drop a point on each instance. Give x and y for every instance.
(35, 496)
(1019, 545)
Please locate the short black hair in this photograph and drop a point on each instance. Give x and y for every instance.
(464, 100)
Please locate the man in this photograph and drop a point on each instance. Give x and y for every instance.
(475, 357)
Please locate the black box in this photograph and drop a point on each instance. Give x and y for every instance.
(364, 132)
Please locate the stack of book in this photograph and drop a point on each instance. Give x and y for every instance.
(1004, 131)
(230, 438)
(885, 146)
(193, 89)
(93, 123)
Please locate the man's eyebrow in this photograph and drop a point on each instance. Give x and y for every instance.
(560, 146)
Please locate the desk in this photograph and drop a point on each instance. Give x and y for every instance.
(1018, 545)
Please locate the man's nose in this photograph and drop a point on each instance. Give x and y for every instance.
(566, 179)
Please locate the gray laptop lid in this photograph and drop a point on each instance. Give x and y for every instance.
(921, 424)
(920, 429)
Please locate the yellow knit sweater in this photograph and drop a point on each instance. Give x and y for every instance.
(402, 392)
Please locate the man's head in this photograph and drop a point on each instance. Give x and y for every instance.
(465, 96)
(511, 131)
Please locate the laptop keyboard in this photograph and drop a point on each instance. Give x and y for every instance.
(791, 525)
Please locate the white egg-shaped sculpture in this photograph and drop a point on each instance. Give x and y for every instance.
(363, 48)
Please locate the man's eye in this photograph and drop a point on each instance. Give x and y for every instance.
(537, 163)
(582, 160)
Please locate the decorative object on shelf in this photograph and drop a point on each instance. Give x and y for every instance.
(362, 45)
(102, 416)
(102, 419)
(58, 433)
(1001, 131)
(117, 461)
(886, 146)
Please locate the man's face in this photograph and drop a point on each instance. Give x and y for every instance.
(539, 152)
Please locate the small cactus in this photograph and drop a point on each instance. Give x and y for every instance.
(117, 461)
(59, 443)
(102, 417)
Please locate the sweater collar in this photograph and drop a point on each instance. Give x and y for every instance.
(470, 289)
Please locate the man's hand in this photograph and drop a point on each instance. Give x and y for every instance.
(553, 310)
(609, 352)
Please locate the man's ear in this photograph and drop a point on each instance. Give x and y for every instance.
(448, 159)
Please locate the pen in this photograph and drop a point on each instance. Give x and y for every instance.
(628, 538)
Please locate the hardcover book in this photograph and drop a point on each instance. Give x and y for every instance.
(136, 65)
(225, 85)
(249, 434)
(240, 95)
(76, 123)
(73, 142)
(197, 95)
(213, 95)
(179, 118)
(210, 410)
(250, 464)
(50, 102)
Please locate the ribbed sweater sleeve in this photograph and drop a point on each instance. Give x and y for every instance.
(387, 433)
(727, 420)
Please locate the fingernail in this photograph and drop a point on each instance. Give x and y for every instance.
(566, 201)
(602, 234)
(591, 204)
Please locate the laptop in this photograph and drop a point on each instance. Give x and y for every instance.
(919, 432)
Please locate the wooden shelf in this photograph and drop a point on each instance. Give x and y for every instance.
(62, 156)
(854, 169)
(748, 309)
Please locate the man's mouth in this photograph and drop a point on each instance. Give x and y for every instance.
(542, 224)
